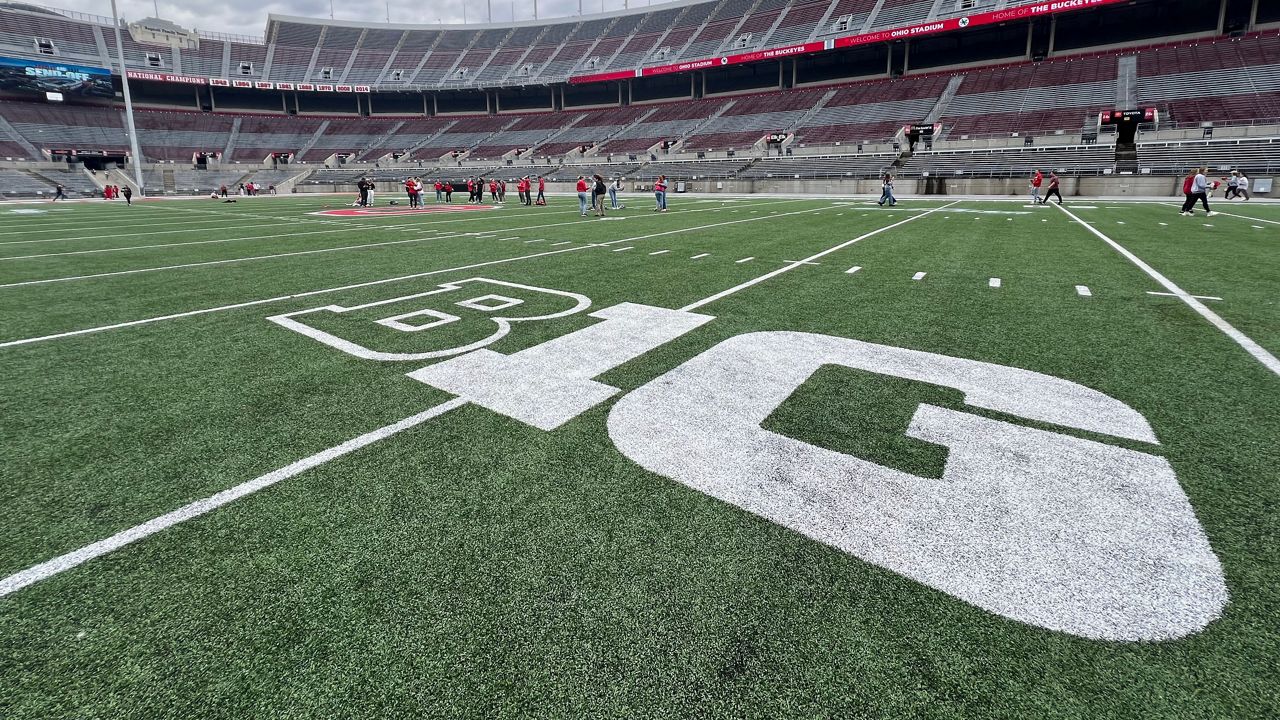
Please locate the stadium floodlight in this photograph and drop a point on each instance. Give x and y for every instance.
(128, 104)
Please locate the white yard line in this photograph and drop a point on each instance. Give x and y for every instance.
(1244, 341)
(800, 263)
(62, 563)
(235, 306)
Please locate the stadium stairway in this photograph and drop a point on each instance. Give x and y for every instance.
(10, 134)
(315, 137)
(231, 138)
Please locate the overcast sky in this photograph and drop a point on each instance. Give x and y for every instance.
(249, 17)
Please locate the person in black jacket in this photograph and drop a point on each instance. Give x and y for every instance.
(597, 195)
(363, 187)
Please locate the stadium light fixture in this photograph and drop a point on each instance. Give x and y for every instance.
(128, 104)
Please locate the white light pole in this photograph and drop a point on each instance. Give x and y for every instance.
(128, 105)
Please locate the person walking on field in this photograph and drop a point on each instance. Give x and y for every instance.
(1242, 186)
(1036, 181)
(1053, 189)
(660, 193)
(542, 187)
(582, 195)
(1199, 191)
(502, 192)
(128, 195)
(886, 192)
(448, 192)
(58, 194)
(597, 195)
(1233, 183)
(493, 190)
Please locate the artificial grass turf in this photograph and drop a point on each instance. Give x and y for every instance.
(477, 566)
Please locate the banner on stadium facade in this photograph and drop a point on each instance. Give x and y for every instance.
(37, 76)
(262, 85)
(922, 129)
(219, 82)
(242, 83)
(1021, 12)
(168, 77)
(776, 138)
(1114, 117)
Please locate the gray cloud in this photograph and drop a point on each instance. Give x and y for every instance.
(249, 17)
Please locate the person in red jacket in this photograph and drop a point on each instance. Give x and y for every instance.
(522, 189)
(408, 190)
(448, 192)
(493, 190)
(542, 188)
(1036, 181)
(660, 193)
(439, 190)
(583, 196)
(471, 190)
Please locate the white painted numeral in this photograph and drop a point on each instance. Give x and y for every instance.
(1041, 527)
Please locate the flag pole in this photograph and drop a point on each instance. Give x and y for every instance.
(128, 105)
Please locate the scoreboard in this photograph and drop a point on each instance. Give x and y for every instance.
(1116, 117)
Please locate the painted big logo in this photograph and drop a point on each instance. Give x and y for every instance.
(1041, 526)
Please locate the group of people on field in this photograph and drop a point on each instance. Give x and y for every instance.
(113, 192)
(1038, 180)
(592, 192)
(1197, 188)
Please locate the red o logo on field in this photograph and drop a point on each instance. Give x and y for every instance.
(377, 212)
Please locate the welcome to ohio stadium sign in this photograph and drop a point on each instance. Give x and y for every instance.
(930, 28)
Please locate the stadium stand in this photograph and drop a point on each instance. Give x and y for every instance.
(1230, 81)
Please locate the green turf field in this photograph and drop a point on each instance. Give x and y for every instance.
(753, 457)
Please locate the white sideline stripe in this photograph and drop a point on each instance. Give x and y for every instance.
(1246, 217)
(1083, 291)
(793, 266)
(370, 283)
(659, 252)
(993, 282)
(1198, 297)
(62, 563)
(745, 259)
(623, 248)
(853, 270)
(534, 241)
(695, 257)
(1257, 351)
(918, 276)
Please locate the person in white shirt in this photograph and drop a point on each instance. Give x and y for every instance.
(1200, 191)
(614, 188)
(1242, 185)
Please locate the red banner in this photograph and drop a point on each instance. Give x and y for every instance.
(166, 77)
(1021, 12)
